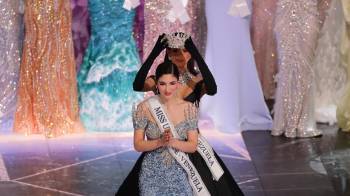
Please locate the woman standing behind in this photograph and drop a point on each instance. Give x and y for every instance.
(47, 93)
(170, 16)
(181, 51)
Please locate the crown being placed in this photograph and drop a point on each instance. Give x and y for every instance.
(176, 40)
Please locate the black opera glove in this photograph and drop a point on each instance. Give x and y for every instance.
(141, 75)
(160, 45)
(208, 78)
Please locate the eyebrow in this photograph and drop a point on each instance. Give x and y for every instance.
(168, 82)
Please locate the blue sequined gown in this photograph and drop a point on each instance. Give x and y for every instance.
(109, 66)
(160, 173)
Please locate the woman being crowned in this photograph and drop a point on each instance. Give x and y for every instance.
(177, 160)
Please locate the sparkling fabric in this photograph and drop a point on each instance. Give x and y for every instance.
(157, 178)
(80, 29)
(160, 173)
(176, 40)
(185, 78)
(330, 73)
(156, 23)
(264, 44)
(109, 67)
(139, 27)
(47, 94)
(10, 48)
(297, 28)
(343, 110)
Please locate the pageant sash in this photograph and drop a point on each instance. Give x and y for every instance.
(182, 158)
(203, 146)
(207, 153)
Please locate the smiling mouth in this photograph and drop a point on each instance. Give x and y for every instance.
(167, 94)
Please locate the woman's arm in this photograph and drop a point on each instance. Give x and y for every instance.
(140, 83)
(142, 145)
(209, 81)
(188, 146)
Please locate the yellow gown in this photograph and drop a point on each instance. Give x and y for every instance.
(343, 110)
(47, 94)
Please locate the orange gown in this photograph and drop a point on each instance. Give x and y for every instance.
(47, 93)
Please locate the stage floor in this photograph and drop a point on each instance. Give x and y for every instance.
(96, 164)
(303, 167)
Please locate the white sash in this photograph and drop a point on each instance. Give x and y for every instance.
(164, 123)
(203, 146)
(207, 153)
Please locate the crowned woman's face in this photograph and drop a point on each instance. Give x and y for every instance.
(167, 85)
(179, 57)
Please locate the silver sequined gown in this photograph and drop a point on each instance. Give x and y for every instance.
(11, 36)
(160, 173)
(296, 29)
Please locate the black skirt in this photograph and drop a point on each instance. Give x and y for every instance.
(225, 186)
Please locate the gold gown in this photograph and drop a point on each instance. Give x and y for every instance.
(343, 110)
(47, 94)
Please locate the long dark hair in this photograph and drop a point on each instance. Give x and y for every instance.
(167, 67)
(190, 64)
(193, 71)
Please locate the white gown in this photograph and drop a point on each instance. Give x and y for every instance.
(330, 74)
(239, 103)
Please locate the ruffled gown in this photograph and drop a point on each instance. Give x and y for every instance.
(109, 66)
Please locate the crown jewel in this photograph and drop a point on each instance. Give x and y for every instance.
(176, 40)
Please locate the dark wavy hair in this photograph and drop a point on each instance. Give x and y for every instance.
(167, 67)
(191, 67)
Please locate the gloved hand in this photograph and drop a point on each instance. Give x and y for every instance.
(160, 45)
(209, 81)
(141, 75)
(189, 45)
